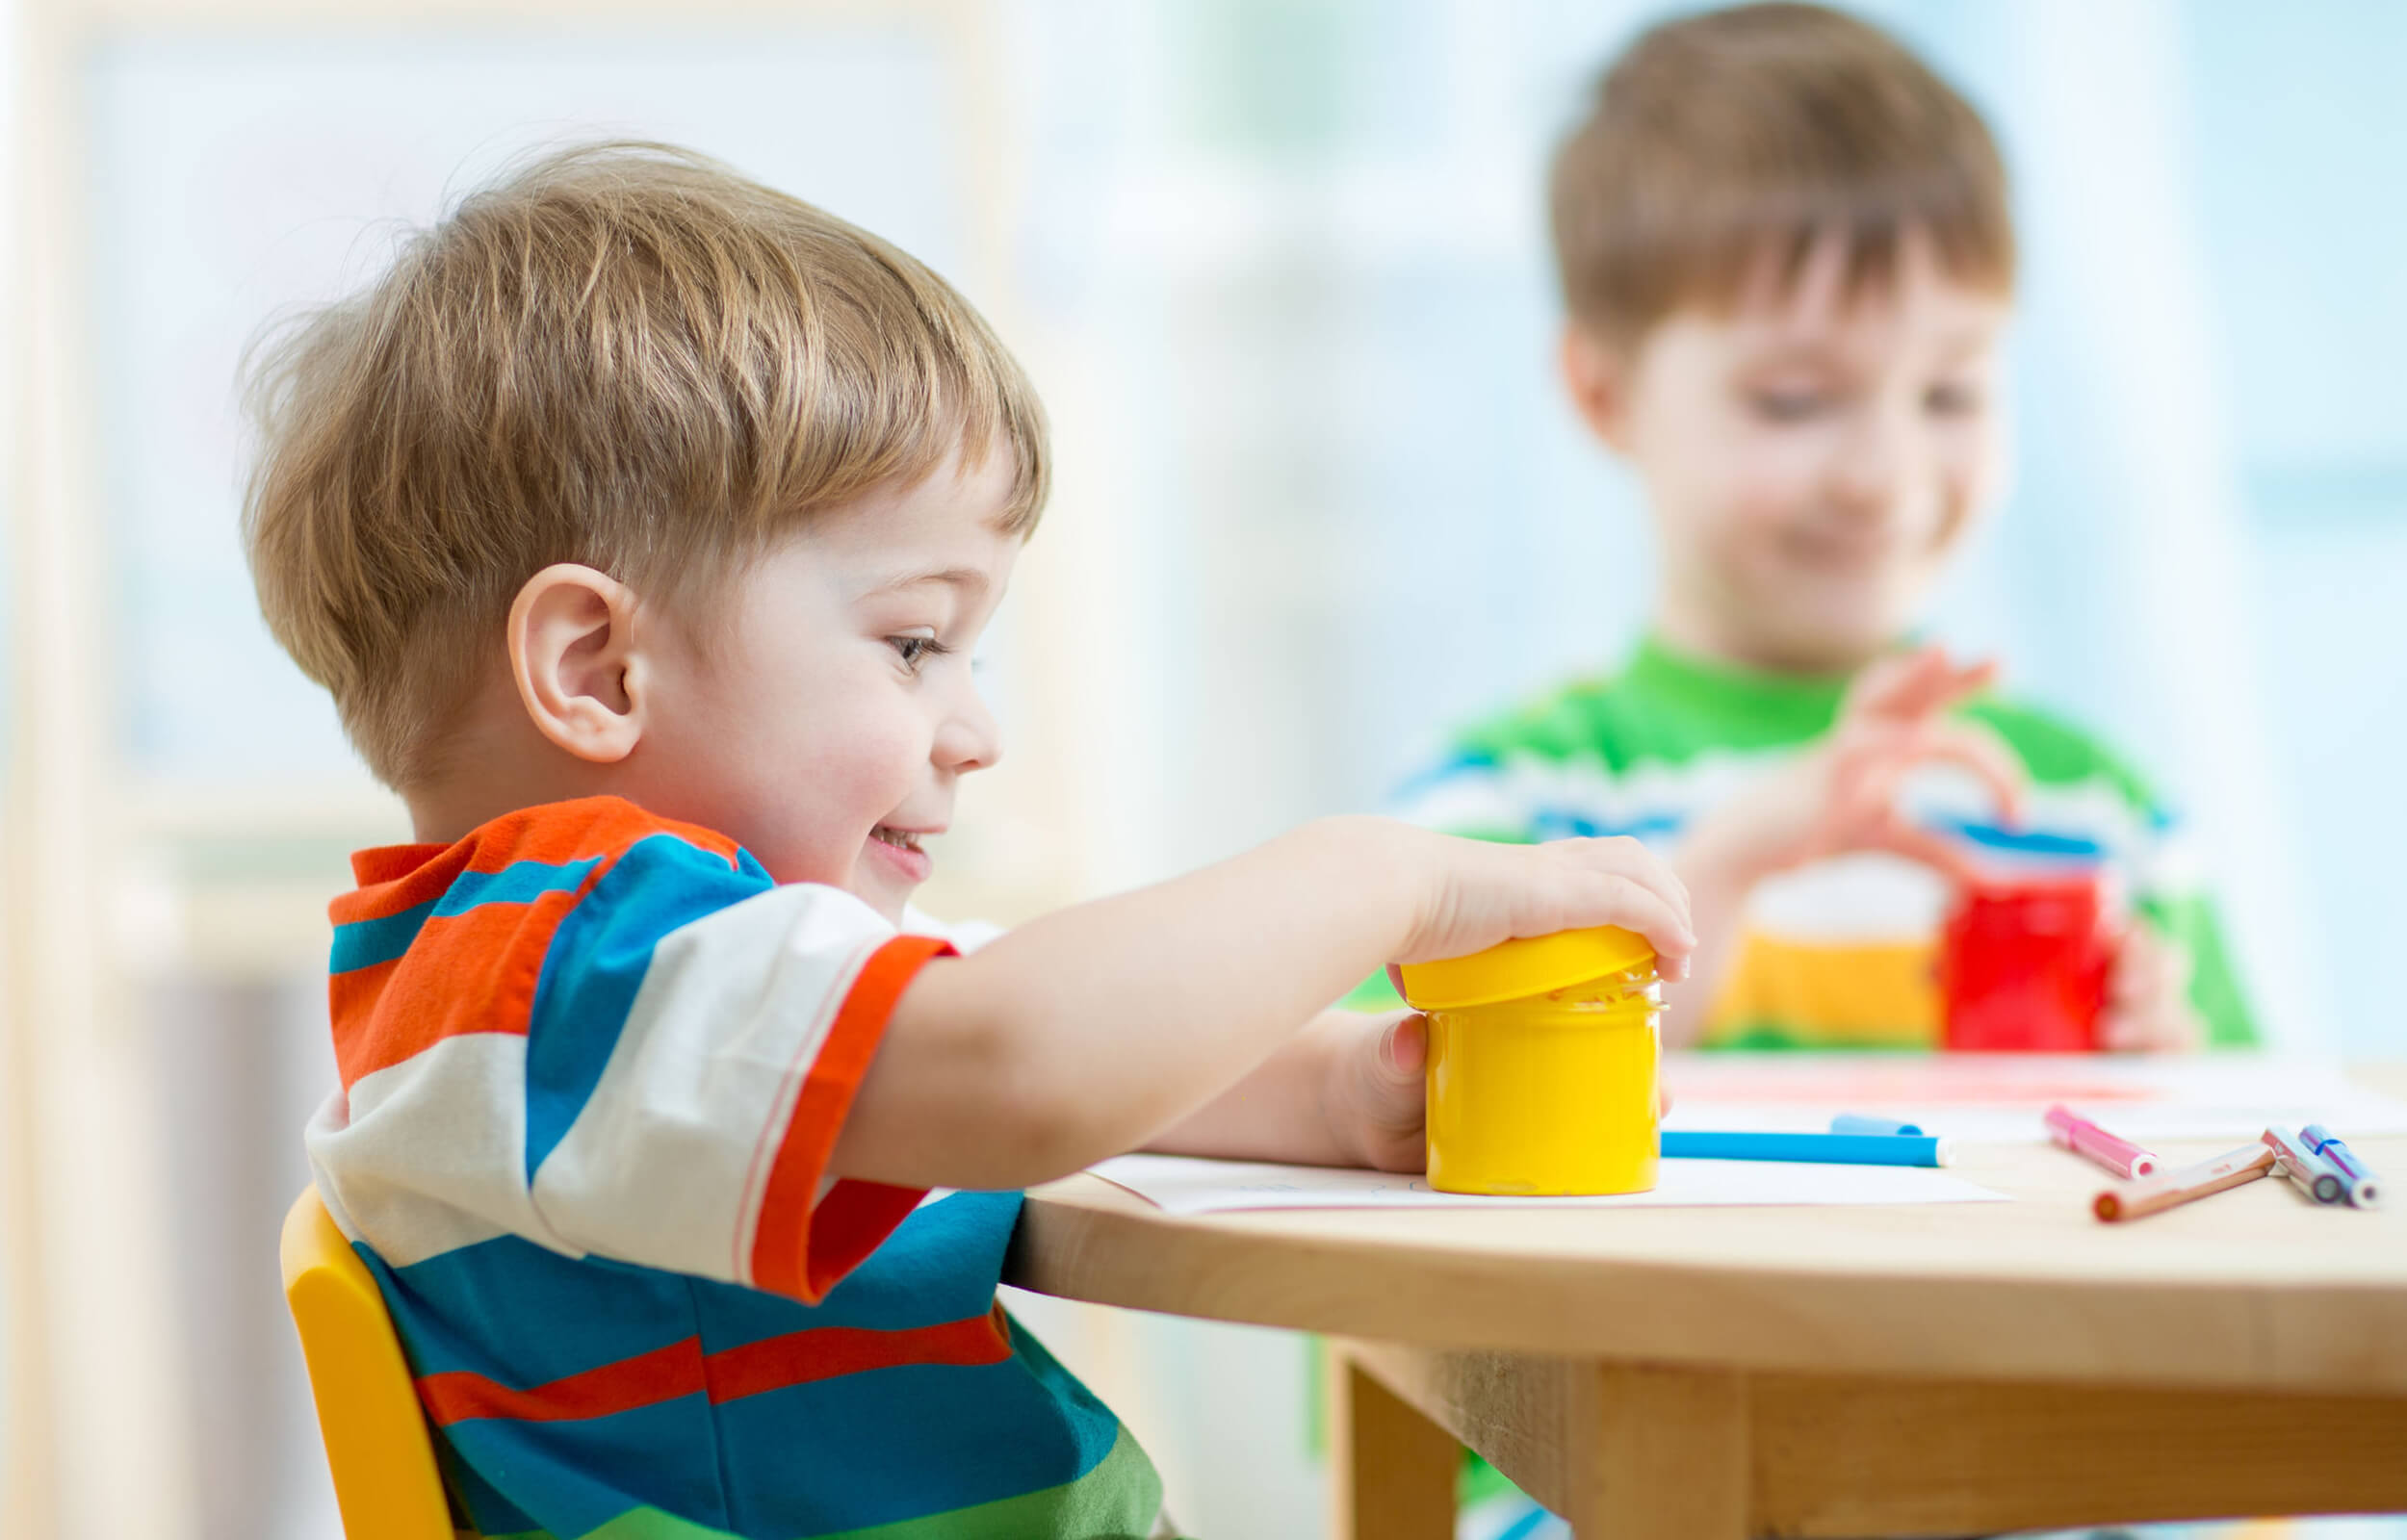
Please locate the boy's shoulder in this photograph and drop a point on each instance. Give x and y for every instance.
(1668, 711)
(559, 878)
(554, 846)
(1660, 707)
(1575, 717)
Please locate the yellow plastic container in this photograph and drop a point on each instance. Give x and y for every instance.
(1543, 1057)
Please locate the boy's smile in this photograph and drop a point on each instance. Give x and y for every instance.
(1813, 458)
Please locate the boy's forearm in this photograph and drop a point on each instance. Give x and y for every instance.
(1280, 1110)
(1062, 1042)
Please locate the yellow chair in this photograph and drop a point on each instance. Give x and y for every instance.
(385, 1478)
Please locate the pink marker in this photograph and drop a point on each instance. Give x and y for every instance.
(2088, 1141)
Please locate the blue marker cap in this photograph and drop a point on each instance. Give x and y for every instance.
(1858, 1123)
(2364, 1191)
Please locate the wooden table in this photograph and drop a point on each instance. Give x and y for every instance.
(1946, 1369)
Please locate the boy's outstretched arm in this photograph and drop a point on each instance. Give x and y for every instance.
(1093, 1030)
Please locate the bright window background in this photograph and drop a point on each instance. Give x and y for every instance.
(1280, 271)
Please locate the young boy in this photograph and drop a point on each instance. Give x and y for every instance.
(640, 522)
(1786, 253)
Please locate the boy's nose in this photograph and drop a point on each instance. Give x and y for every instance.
(969, 739)
(1870, 468)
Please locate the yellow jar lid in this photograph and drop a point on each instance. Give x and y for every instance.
(1513, 970)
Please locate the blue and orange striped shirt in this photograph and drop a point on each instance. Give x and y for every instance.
(593, 1064)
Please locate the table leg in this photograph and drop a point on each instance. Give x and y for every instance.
(1624, 1451)
(1391, 1471)
(1668, 1456)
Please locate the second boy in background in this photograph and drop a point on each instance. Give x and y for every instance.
(1788, 264)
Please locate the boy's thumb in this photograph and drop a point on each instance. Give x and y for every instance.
(1404, 1047)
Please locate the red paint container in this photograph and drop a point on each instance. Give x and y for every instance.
(2023, 966)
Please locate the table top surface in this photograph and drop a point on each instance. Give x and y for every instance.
(2256, 1287)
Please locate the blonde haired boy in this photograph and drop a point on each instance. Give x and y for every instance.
(640, 520)
(1786, 253)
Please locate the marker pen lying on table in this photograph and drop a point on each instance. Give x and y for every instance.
(2303, 1165)
(2138, 1199)
(2362, 1190)
(2087, 1139)
(1858, 1123)
(1837, 1150)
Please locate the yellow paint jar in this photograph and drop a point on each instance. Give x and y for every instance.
(1542, 1064)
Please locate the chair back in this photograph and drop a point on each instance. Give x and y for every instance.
(385, 1478)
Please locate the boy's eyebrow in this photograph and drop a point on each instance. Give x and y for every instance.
(969, 579)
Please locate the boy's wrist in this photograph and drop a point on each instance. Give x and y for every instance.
(1724, 854)
(1380, 857)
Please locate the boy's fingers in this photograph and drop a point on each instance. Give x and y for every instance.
(1978, 750)
(2120, 1032)
(1388, 1093)
(1893, 684)
(1635, 907)
(1946, 687)
(1921, 684)
(1404, 1048)
(1624, 856)
(2169, 1029)
(2149, 969)
(1940, 854)
(1969, 680)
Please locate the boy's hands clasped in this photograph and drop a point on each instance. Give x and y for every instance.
(1843, 796)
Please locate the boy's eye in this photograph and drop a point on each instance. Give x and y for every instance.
(1952, 399)
(1789, 406)
(916, 649)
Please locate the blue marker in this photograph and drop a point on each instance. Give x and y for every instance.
(1858, 1123)
(1839, 1149)
(2364, 1191)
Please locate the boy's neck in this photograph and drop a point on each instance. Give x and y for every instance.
(1692, 632)
(494, 762)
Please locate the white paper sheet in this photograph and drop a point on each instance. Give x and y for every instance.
(2000, 1097)
(1181, 1184)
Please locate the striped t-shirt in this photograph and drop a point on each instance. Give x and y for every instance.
(593, 1064)
(1840, 951)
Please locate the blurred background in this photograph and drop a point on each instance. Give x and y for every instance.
(1278, 268)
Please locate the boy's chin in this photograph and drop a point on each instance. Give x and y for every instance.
(1835, 640)
(888, 904)
(883, 891)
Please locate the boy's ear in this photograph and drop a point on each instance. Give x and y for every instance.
(1598, 376)
(572, 655)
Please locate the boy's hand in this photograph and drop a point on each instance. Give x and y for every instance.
(1374, 1095)
(2148, 1009)
(1477, 894)
(1842, 796)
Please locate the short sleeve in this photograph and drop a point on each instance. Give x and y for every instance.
(703, 1144)
(692, 1047)
(964, 937)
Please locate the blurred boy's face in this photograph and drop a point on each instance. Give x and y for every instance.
(1812, 460)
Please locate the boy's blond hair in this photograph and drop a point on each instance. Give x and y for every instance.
(624, 355)
(1717, 139)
